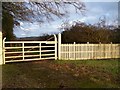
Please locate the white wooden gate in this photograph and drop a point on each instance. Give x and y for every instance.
(15, 51)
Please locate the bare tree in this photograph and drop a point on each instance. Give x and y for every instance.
(35, 11)
(41, 11)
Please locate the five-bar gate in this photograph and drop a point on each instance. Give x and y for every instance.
(15, 51)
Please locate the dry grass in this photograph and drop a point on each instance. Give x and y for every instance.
(62, 74)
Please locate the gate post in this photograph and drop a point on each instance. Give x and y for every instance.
(55, 47)
(1, 51)
(59, 46)
(1, 59)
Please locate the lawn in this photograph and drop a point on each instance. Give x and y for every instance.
(61, 74)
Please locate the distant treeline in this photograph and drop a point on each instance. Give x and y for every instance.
(45, 37)
(82, 33)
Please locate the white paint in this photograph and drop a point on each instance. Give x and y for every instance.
(25, 48)
(55, 46)
(89, 51)
(59, 46)
(1, 59)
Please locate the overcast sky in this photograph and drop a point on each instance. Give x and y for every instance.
(94, 11)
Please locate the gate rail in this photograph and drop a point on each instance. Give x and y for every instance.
(15, 51)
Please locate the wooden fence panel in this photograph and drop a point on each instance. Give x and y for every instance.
(89, 51)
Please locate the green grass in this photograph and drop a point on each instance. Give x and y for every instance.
(59, 73)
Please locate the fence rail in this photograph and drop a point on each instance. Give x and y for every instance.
(89, 51)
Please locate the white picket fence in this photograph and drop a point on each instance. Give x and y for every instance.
(89, 51)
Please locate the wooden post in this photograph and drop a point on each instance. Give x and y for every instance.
(92, 55)
(55, 47)
(59, 46)
(23, 51)
(1, 51)
(74, 51)
(87, 49)
(69, 45)
(40, 49)
(112, 50)
(100, 50)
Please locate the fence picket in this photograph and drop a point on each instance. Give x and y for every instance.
(89, 51)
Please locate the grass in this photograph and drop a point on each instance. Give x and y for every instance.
(61, 74)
